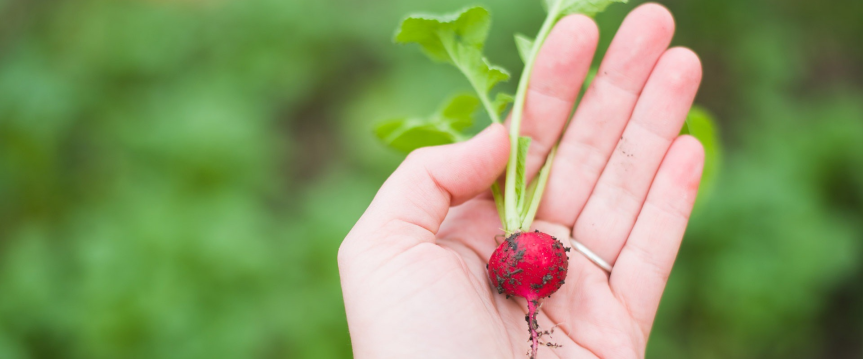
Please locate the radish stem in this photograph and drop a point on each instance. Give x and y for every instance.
(513, 220)
(536, 196)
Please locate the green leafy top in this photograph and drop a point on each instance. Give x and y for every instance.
(458, 39)
(443, 127)
(524, 44)
(469, 27)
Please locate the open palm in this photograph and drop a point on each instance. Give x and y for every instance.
(623, 183)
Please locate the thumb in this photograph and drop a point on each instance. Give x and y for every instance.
(413, 202)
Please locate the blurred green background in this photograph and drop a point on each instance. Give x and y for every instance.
(176, 176)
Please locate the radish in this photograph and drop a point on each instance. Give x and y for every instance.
(531, 265)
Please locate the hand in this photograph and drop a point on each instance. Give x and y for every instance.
(623, 183)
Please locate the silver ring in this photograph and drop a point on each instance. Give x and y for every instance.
(590, 255)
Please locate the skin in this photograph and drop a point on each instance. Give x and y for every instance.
(623, 183)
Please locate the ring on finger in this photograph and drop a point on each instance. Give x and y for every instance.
(590, 255)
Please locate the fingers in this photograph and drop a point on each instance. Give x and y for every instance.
(617, 198)
(557, 75)
(642, 270)
(413, 202)
(604, 111)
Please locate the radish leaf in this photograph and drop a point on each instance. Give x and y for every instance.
(524, 44)
(459, 111)
(436, 33)
(458, 39)
(443, 127)
(501, 101)
(700, 124)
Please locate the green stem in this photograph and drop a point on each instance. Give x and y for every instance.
(492, 112)
(528, 197)
(498, 202)
(536, 197)
(511, 204)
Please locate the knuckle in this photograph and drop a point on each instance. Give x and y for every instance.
(417, 156)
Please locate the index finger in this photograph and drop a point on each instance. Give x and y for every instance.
(556, 79)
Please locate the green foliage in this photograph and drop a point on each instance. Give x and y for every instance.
(443, 127)
(524, 45)
(700, 124)
(447, 38)
(501, 101)
(458, 39)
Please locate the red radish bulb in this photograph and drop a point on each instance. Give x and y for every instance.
(531, 265)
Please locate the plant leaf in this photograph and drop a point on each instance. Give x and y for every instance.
(501, 101)
(701, 125)
(521, 172)
(459, 110)
(456, 38)
(586, 7)
(443, 127)
(468, 27)
(524, 44)
(486, 75)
